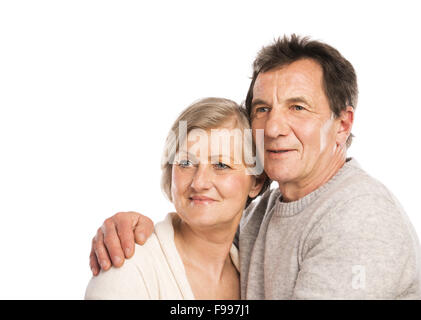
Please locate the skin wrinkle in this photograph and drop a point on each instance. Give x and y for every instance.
(311, 131)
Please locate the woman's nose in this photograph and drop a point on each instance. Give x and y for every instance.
(202, 178)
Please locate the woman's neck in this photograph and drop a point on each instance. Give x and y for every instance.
(205, 249)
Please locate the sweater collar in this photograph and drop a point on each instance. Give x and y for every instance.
(288, 209)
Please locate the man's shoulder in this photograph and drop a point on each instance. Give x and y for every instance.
(359, 183)
(356, 186)
(359, 202)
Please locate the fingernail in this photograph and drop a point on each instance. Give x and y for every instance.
(142, 237)
(127, 251)
(94, 271)
(104, 264)
(117, 260)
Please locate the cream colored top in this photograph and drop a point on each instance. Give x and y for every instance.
(155, 271)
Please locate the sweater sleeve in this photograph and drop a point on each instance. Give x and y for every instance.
(363, 249)
(124, 283)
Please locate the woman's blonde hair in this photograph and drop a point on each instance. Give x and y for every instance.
(205, 114)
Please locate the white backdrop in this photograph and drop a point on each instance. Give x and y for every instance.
(89, 89)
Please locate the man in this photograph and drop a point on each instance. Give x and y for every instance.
(329, 231)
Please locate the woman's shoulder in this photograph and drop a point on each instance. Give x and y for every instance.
(155, 271)
(126, 282)
(155, 246)
(158, 249)
(137, 278)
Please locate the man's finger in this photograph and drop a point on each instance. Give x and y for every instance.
(101, 253)
(143, 229)
(124, 225)
(93, 261)
(112, 243)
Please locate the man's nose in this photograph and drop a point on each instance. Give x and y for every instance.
(202, 179)
(277, 123)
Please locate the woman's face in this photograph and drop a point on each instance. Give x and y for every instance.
(210, 184)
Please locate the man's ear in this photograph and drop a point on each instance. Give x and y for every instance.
(346, 120)
(257, 185)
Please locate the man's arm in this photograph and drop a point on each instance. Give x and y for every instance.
(115, 239)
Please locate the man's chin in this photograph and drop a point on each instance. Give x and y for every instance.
(280, 174)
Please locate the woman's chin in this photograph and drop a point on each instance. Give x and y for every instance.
(201, 218)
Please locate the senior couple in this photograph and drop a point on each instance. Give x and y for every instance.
(328, 231)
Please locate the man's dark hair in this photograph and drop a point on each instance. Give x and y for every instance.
(339, 78)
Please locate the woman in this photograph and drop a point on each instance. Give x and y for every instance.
(190, 254)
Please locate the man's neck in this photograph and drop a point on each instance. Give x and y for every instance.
(293, 191)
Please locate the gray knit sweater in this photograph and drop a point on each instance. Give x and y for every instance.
(349, 239)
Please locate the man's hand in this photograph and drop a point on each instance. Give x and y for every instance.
(116, 238)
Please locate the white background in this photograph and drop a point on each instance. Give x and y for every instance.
(89, 89)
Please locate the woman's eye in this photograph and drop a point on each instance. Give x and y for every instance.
(185, 163)
(221, 165)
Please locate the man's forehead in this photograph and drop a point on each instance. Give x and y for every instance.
(303, 69)
(300, 78)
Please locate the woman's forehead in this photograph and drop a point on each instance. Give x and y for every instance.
(227, 143)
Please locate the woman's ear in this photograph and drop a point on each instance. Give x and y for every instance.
(257, 185)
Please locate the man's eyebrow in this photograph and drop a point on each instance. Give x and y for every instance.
(299, 99)
(258, 101)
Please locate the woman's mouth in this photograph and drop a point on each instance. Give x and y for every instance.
(201, 200)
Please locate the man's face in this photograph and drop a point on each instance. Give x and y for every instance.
(289, 103)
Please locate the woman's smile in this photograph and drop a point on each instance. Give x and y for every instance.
(201, 200)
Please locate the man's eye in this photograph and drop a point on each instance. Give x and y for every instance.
(261, 109)
(221, 166)
(298, 107)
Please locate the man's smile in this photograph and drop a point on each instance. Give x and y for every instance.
(278, 153)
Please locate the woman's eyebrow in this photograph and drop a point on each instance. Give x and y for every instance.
(213, 158)
(217, 158)
(184, 153)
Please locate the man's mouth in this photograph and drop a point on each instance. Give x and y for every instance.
(278, 153)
